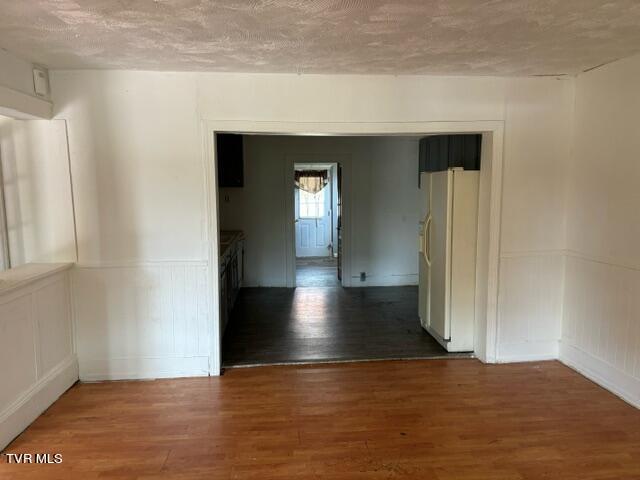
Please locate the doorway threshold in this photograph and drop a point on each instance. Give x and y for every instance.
(445, 356)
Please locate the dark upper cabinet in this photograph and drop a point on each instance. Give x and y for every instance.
(230, 159)
(441, 152)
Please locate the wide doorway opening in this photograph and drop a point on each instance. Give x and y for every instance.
(323, 250)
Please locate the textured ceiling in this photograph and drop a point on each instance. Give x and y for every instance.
(469, 37)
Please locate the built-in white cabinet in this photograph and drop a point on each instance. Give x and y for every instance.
(37, 351)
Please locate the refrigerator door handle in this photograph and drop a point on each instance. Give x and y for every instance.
(427, 246)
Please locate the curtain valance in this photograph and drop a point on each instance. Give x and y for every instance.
(311, 181)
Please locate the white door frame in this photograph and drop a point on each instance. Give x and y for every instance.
(489, 215)
(290, 233)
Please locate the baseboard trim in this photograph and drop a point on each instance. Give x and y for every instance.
(30, 405)
(95, 370)
(604, 374)
(528, 352)
(399, 280)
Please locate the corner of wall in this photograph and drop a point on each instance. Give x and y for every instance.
(18, 98)
(600, 336)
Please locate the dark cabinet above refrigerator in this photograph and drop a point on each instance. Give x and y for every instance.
(442, 152)
(230, 159)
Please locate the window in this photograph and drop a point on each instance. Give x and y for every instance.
(311, 204)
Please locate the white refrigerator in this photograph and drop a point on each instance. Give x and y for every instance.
(447, 251)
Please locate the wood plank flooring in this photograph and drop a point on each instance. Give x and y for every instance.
(280, 325)
(317, 272)
(436, 419)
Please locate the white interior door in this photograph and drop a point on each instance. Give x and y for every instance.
(439, 253)
(313, 223)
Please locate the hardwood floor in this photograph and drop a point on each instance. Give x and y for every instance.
(436, 419)
(317, 272)
(280, 325)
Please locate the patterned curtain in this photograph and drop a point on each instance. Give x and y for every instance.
(311, 181)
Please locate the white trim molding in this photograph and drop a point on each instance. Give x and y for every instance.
(21, 106)
(534, 351)
(143, 263)
(604, 374)
(144, 368)
(345, 162)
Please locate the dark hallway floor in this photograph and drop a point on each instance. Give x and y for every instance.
(281, 325)
(317, 272)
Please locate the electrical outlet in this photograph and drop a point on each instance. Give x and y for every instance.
(363, 276)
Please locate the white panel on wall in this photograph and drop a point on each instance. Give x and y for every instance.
(142, 321)
(52, 313)
(601, 331)
(530, 307)
(36, 349)
(17, 350)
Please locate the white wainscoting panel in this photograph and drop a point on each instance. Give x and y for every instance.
(530, 306)
(36, 350)
(52, 313)
(142, 321)
(601, 328)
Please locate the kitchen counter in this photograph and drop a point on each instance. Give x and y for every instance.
(231, 272)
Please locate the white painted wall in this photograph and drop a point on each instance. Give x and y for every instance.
(37, 191)
(538, 118)
(385, 205)
(36, 344)
(601, 327)
(136, 154)
(140, 215)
